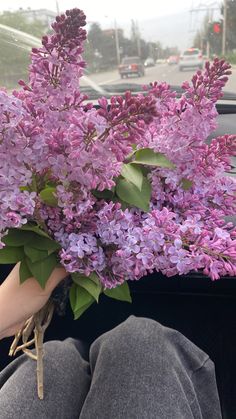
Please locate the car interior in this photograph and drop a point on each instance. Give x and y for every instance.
(201, 309)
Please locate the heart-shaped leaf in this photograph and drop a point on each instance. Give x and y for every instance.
(42, 269)
(43, 243)
(133, 173)
(121, 292)
(24, 271)
(48, 196)
(17, 237)
(11, 254)
(149, 157)
(186, 184)
(128, 192)
(35, 228)
(35, 254)
(80, 300)
(88, 284)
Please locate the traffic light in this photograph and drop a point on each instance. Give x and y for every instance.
(217, 27)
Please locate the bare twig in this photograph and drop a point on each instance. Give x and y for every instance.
(15, 341)
(28, 329)
(30, 354)
(42, 320)
(37, 324)
(24, 346)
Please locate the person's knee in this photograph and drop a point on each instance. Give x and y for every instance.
(60, 352)
(64, 356)
(58, 348)
(140, 326)
(136, 332)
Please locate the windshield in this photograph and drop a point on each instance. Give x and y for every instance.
(125, 33)
(130, 60)
(191, 52)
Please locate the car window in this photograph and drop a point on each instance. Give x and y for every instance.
(130, 60)
(164, 33)
(191, 52)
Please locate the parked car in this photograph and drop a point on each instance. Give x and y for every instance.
(131, 66)
(149, 62)
(173, 59)
(191, 58)
(160, 61)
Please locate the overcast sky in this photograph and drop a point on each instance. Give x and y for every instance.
(101, 10)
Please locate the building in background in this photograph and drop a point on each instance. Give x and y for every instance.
(45, 16)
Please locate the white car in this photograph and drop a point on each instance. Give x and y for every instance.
(149, 62)
(191, 58)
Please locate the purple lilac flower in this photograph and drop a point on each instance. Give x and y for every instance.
(48, 136)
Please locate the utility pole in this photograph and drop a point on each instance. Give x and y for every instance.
(138, 40)
(57, 8)
(150, 47)
(135, 35)
(208, 46)
(209, 8)
(224, 29)
(117, 43)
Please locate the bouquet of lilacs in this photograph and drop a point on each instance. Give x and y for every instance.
(112, 192)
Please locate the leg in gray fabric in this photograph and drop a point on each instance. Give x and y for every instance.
(142, 370)
(66, 383)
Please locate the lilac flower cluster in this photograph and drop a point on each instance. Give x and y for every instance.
(49, 138)
(155, 241)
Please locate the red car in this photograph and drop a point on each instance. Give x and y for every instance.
(173, 59)
(131, 66)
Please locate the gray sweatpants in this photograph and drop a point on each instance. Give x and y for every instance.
(138, 370)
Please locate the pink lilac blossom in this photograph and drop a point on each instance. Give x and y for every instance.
(49, 136)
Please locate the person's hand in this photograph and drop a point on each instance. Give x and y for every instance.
(18, 301)
(11, 331)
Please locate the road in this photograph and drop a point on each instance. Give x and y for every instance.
(161, 72)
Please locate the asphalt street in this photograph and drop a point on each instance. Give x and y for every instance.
(161, 72)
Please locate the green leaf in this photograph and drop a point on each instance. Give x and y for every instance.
(134, 148)
(42, 269)
(17, 237)
(35, 254)
(11, 254)
(88, 284)
(24, 188)
(43, 243)
(121, 293)
(24, 271)
(149, 157)
(79, 312)
(48, 196)
(128, 192)
(94, 277)
(35, 228)
(80, 300)
(186, 183)
(133, 173)
(105, 194)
